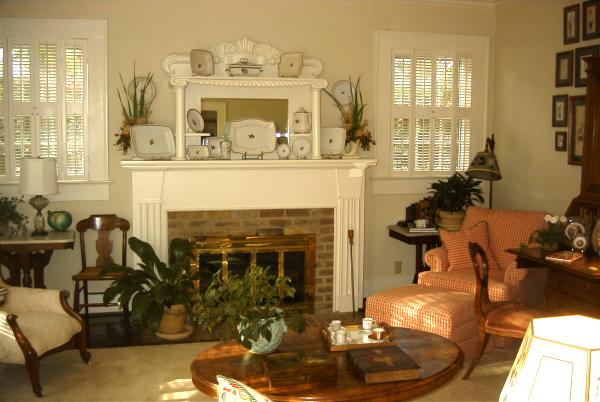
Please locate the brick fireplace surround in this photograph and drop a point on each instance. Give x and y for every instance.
(317, 221)
(324, 197)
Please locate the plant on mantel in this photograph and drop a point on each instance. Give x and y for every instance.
(352, 117)
(136, 102)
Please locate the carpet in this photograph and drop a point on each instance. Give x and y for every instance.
(161, 373)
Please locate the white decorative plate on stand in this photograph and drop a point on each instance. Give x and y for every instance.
(252, 136)
(301, 148)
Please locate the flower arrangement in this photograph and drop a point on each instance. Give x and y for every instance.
(135, 107)
(11, 221)
(552, 235)
(352, 117)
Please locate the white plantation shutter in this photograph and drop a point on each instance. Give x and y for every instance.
(436, 97)
(3, 150)
(22, 136)
(75, 97)
(401, 144)
(3, 158)
(21, 73)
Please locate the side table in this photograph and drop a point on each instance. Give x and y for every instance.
(430, 240)
(26, 253)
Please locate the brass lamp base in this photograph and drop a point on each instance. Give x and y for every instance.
(39, 202)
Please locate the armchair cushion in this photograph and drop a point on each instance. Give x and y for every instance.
(44, 330)
(464, 281)
(456, 245)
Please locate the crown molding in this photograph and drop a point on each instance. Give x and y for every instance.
(475, 4)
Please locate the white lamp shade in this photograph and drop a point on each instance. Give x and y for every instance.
(38, 176)
(559, 360)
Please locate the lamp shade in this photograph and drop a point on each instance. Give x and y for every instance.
(559, 360)
(484, 166)
(38, 176)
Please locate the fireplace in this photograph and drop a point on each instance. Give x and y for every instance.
(162, 190)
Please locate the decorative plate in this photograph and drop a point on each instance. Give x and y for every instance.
(290, 65)
(195, 120)
(201, 62)
(252, 136)
(152, 141)
(342, 91)
(301, 148)
(283, 151)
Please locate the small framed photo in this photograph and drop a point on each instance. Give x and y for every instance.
(576, 129)
(581, 65)
(564, 69)
(571, 24)
(559, 110)
(560, 141)
(590, 19)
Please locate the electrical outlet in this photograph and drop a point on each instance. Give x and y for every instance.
(397, 267)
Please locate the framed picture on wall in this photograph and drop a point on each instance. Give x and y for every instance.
(560, 141)
(581, 65)
(590, 19)
(571, 24)
(564, 69)
(576, 129)
(559, 110)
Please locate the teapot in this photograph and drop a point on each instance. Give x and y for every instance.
(59, 220)
(302, 121)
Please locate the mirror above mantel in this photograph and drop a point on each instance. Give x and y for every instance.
(191, 91)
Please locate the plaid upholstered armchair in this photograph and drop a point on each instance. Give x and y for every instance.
(496, 231)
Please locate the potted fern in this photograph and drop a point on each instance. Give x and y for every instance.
(248, 308)
(451, 197)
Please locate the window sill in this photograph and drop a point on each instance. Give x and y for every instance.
(70, 191)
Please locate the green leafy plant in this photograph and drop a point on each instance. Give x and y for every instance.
(352, 116)
(253, 300)
(155, 284)
(135, 107)
(552, 234)
(455, 193)
(9, 213)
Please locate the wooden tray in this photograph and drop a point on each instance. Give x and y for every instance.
(333, 347)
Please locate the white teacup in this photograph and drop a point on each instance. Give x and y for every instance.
(378, 332)
(340, 337)
(421, 223)
(367, 323)
(335, 325)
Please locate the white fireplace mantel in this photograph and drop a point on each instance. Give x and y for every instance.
(162, 186)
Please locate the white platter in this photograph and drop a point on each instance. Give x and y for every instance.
(195, 120)
(152, 141)
(252, 136)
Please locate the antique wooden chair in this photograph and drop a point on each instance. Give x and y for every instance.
(35, 323)
(497, 318)
(104, 225)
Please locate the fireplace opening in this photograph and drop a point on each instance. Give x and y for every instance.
(289, 255)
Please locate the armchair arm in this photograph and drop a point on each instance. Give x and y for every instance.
(437, 259)
(21, 299)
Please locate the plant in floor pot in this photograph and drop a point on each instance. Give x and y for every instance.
(248, 308)
(450, 199)
(160, 294)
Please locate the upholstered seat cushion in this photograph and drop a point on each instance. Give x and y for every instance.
(465, 281)
(44, 330)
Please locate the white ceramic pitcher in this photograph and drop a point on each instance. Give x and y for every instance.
(302, 121)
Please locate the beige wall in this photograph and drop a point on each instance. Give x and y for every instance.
(339, 32)
(535, 177)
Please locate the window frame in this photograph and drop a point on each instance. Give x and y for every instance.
(95, 184)
(389, 44)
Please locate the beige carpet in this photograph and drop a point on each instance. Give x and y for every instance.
(161, 373)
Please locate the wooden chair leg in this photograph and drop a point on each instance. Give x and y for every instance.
(482, 341)
(76, 305)
(33, 370)
(86, 306)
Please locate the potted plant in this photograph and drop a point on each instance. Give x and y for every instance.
(552, 235)
(11, 221)
(160, 294)
(451, 197)
(357, 133)
(248, 308)
(136, 101)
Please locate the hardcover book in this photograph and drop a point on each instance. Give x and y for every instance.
(412, 228)
(384, 364)
(564, 256)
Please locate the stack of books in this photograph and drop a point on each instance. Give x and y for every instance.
(412, 228)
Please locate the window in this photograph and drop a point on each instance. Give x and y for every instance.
(52, 72)
(431, 100)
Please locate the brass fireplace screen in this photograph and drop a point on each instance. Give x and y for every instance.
(290, 255)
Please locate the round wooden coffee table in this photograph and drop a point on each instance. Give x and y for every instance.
(438, 357)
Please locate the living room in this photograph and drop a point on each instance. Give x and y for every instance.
(517, 86)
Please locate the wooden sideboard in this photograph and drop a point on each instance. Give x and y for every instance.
(570, 286)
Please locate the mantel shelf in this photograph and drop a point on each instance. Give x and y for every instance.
(257, 81)
(160, 165)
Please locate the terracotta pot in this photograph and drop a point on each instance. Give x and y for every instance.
(451, 221)
(173, 320)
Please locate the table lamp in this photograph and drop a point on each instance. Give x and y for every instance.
(559, 360)
(485, 165)
(38, 178)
